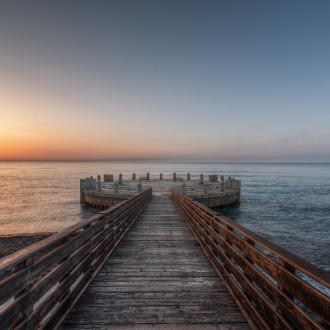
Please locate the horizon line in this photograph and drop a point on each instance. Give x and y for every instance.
(158, 161)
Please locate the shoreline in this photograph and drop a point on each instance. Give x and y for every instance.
(14, 242)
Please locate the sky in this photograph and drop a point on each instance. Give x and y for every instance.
(225, 80)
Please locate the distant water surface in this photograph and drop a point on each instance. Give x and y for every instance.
(288, 204)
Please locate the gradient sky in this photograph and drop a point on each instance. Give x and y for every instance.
(225, 80)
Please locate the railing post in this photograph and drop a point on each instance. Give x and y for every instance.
(184, 189)
(188, 176)
(206, 188)
(108, 178)
(228, 240)
(281, 284)
(222, 183)
(250, 242)
(20, 266)
(115, 187)
(161, 176)
(139, 187)
(86, 184)
(134, 176)
(98, 183)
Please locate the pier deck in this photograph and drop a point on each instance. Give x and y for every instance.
(158, 275)
(161, 259)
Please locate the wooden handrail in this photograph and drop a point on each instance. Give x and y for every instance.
(41, 283)
(268, 281)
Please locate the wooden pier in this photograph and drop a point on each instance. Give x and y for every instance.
(160, 260)
(214, 194)
(158, 275)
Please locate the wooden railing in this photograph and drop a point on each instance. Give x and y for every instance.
(41, 283)
(274, 288)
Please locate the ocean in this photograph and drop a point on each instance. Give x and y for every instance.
(289, 204)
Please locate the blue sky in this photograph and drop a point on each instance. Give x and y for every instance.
(165, 80)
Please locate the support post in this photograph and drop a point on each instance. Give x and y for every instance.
(174, 176)
(206, 188)
(98, 183)
(188, 176)
(184, 189)
(282, 285)
(134, 177)
(201, 179)
(120, 178)
(108, 178)
(213, 178)
(161, 176)
(228, 183)
(115, 187)
(148, 176)
(86, 184)
(222, 186)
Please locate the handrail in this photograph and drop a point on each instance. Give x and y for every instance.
(41, 283)
(268, 281)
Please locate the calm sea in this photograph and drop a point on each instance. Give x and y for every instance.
(288, 204)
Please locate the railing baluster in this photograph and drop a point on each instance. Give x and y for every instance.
(75, 257)
(282, 285)
(255, 285)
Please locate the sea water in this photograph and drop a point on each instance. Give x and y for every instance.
(289, 204)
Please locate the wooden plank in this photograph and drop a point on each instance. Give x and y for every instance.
(14, 284)
(165, 326)
(224, 274)
(288, 308)
(177, 282)
(207, 226)
(303, 265)
(83, 249)
(66, 304)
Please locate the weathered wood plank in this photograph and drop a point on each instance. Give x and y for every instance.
(218, 236)
(165, 326)
(157, 275)
(53, 282)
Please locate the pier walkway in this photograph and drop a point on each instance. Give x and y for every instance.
(158, 275)
(161, 259)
